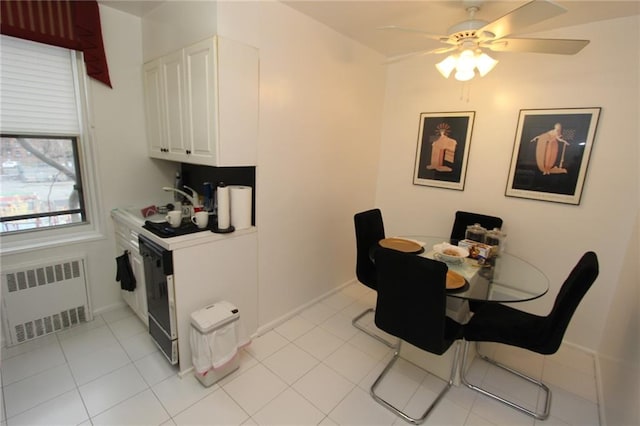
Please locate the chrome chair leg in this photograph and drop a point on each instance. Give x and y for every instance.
(463, 378)
(354, 322)
(398, 412)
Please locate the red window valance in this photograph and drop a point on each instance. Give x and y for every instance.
(64, 23)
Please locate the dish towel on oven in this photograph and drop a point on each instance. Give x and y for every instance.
(124, 273)
(214, 349)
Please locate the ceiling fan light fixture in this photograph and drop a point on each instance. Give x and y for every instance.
(485, 63)
(446, 66)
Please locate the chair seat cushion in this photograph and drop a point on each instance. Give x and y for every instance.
(493, 322)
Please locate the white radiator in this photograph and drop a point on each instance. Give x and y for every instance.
(43, 299)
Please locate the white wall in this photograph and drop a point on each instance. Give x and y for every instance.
(553, 236)
(125, 173)
(321, 98)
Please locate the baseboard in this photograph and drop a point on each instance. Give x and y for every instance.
(284, 318)
(108, 308)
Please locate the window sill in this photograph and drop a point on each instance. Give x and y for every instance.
(12, 245)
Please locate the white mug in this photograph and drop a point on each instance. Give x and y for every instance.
(200, 219)
(174, 217)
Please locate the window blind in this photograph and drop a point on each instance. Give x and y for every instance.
(37, 88)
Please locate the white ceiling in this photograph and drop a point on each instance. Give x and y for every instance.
(359, 19)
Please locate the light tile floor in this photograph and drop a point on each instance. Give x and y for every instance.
(315, 369)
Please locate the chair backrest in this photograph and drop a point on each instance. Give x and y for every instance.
(369, 230)
(411, 300)
(464, 219)
(569, 297)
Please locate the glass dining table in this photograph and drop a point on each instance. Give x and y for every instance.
(505, 279)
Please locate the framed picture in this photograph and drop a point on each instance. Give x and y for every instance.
(444, 139)
(551, 154)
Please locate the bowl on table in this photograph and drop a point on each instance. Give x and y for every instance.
(449, 253)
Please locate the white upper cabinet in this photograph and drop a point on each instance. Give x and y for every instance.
(202, 104)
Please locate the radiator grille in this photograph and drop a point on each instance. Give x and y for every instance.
(43, 299)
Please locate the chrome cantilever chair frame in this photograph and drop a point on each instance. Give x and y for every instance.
(463, 378)
(543, 335)
(397, 411)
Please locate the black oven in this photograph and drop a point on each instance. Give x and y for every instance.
(158, 272)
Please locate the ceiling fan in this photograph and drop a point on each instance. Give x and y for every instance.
(470, 37)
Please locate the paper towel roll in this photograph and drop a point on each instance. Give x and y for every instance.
(240, 206)
(222, 193)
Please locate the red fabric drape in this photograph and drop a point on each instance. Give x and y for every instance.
(64, 23)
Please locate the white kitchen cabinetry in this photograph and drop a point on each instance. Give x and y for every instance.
(202, 104)
(127, 241)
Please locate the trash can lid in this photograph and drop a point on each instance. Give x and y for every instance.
(213, 316)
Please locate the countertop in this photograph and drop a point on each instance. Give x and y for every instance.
(132, 217)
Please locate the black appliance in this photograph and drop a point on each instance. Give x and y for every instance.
(158, 272)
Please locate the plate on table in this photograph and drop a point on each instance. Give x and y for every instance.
(401, 244)
(449, 253)
(455, 280)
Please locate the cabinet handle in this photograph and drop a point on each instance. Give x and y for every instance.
(188, 152)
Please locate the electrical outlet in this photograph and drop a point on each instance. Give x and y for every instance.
(186, 210)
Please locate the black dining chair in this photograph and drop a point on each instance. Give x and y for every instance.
(369, 228)
(504, 324)
(411, 305)
(464, 219)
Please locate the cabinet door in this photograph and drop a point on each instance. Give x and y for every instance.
(173, 77)
(141, 292)
(154, 108)
(201, 102)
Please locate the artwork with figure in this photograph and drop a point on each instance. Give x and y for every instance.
(551, 152)
(443, 147)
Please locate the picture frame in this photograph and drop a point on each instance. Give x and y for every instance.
(442, 153)
(551, 154)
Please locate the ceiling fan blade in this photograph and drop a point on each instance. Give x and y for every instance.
(413, 30)
(537, 45)
(522, 17)
(404, 56)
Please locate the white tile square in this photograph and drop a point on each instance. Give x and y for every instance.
(266, 345)
(127, 327)
(214, 409)
(245, 363)
(475, 420)
(32, 362)
(117, 314)
(339, 300)
(572, 380)
(444, 413)
(290, 363)
(323, 387)
(88, 341)
(511, 387)
(289, 408)
(97, 322)
(139, 345)
(25, 347)
(255, 388)
(155, 368)
(358, 408)
(318, 313)
(65, 409)
(34, 390)
(499, 413)
(340, 325)
(294, 327)
(371, 346)
(400, 383)
(356, 308)
(356, 290)
(141, 409)
(572, 408)
(111, 389)
(351, 362)
(319, 343)
(176, 393)
(97, 364)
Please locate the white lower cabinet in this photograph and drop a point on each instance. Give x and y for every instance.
(127, 241)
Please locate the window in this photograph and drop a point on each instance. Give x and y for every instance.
(41, 183)
(44, 148)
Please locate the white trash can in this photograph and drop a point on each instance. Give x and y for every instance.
(214, 342)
